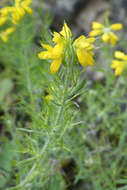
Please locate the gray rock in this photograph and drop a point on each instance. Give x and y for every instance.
(93, 11)
(63, 10)
(119, 10)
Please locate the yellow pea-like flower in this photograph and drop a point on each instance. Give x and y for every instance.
(105, 37)
(5, 11)
(4, 35)
(84, 47)
(118, 66)
(54, 54)
(3, 20)
(120, 63)
(117, 26)
(97, 25)
(94, 33)
(120, 55)
(105, 32)
(66, 32)
(55, 65)
(20, 9)
(113, 38)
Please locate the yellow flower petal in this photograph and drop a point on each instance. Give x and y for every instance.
(89, 58)
(105, 37)
(15, 17)
(83, 42)
(116, 26)
(45, 55)
(118, 66)
(118, 71)
(85, 58)
(66, 32)
(120, 55)
(57, 51)
(3, 20)
(4, 38)
(20, 11)
(97, 25)
(46, 46)
(5, 11)
(55, 65)
(116, 63)
(10, 30)
(17, 2)
(4, 35)
(57, 38)
(26, 3)
(29, 10)
(90, 40)
(95, 33)
(113, 38)
(52, 52)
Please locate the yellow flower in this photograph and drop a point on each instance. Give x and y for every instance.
(25, 5)
(97, 26)
(66, 32)
(63, 36)
(119, 64)
(19, 10)
(4, 12)
(105, 32)
(116, 26)
(3, 20)
(55, 53)
(4, 35)
(83, 47)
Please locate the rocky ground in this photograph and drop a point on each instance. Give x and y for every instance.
(80, 13)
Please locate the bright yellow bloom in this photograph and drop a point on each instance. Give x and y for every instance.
(53, 53)
(3, 20)
(97, 26)
(4, 12)
(120, 55)
(66, 32)
(4, 35)
(83, 47)
(105, 32)
(63, 36)
(16, 12)
(119, 64)
(19, 10)
(116, 26)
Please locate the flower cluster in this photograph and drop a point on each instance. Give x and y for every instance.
(4, 35)
(20, 9)
(119, 63)
(82, 46)
(15, 14)
(106, 32)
